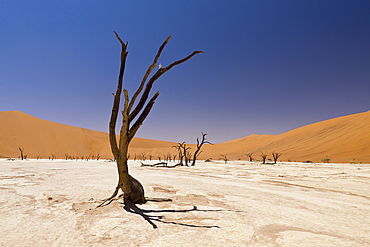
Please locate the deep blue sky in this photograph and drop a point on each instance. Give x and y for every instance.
(268, 66)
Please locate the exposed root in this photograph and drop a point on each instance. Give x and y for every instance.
(161, 164)
(147, 199)
(110, 199)
(156, 164)
(152, 199)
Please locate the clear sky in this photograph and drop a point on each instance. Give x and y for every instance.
(268, 66)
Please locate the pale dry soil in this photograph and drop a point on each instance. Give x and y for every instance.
(53, 203)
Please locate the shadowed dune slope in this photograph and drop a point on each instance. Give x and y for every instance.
(340, 139)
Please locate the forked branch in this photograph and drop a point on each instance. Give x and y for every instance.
(151, 67)
(149, 85)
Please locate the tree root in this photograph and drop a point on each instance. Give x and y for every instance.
(156, 164)
(161, 164)
(110, 199)
(116, 198)
(153, 199)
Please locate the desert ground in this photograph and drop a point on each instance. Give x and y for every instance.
(240, 203)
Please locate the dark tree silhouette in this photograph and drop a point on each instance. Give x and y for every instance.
(275, 156)
(199, 146)
(264, 156)
(250, 156)
(224, 157)
(21, 150)
(132, 188)
(180, 147)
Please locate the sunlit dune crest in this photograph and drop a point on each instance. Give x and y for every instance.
(341, 139)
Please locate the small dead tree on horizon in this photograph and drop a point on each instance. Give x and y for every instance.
(224, 157)
(250, 156)
(275, 156)
(132, 188)
(264, 156)
(142, 156)
(21, 150)
(186, 153)
(179, 148)
(199, 146)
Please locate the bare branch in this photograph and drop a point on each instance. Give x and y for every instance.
(151, 67)
(117, 98)
(199, 146)
(149, 85)
(142, 117)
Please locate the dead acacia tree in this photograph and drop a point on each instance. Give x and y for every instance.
(142, 156)
(250, 156)
(199, 146)
(275, 156)
(188, 156)
(132, 188)
(179, 148)
(224, 157)
(21, 150)
(264, 156)
(186, 153)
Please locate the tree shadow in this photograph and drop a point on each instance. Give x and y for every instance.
(133, 208)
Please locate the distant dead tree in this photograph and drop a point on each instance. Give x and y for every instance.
(66, 156)
(250, 156)
(188, 156)
(180, 147)
(224, 157)
(150, 157)
(199, 146)
(264, 156)
(53, 156)
(98, 156)
(142, 156)
(132, 188)
(275, 156)
(169, 157)
(21, 150)
(186, 153)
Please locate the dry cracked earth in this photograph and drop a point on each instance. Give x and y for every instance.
(53, 203)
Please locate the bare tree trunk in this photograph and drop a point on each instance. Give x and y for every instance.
(224, 157)
(131, 187)
(21, 150)
(250, 156)
(179, 148)
(275, 156)
(264, 156)
(199, 146)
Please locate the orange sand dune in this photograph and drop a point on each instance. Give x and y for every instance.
(340, 139)
(44, 138)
